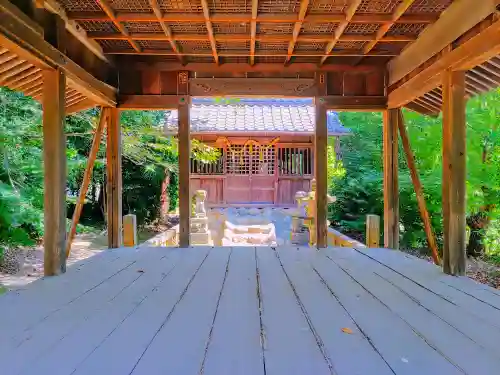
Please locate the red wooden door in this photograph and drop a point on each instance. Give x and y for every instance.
(262, 178)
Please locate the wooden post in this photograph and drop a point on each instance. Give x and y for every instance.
(372, 230)
(424, 214)
(454, 172)
(184, 165)
(129, 230)
(320, 161)
(114, 179)
(391, 197)
(87, 175)
(54, 155)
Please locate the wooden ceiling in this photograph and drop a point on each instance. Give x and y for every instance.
(254, 31)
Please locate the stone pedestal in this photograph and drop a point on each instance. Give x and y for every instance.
(299, 234)
(199, 233)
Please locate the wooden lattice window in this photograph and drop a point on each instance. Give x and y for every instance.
(217, 167)
(295, 161)
(256, 160)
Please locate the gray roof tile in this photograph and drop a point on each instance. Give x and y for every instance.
(254, 115)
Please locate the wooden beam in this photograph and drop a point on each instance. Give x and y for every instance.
(184, 166)
(349, 14)
(454, 172)
(97, 35)
(248, 17)
(417, 185)
(484, 43)
(261, 67)
(166, 29)
(75, 29)
(145, 102)
(253, 30)
(54, 155)
(355, 103)
(391, 191)
(398, 12)
(29, 45)
(80, 106)
(304, 4)
(114, 179)
(111, 14)
(87, 176)
(210, 31)
(457, 19)
(320, 167)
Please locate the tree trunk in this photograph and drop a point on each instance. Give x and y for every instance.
(478, 223)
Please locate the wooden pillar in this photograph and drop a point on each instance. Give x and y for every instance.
(54, 155)
(114, 179)
(454, 173)
(184, 165)
(391, 193)
(320, 161)
(129, 230)
(372, 230)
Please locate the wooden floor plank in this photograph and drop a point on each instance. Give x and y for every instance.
(122, 349)
(179, 346)
(406, 266)
(85, 336)
(290, 346)
(30, 309)
(35, 341)
(235, 346)
(405, 351)
(329, 318)
(443, 337)
(478, 330)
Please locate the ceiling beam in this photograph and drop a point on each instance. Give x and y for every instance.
(296, 29)
(210, 31)
(166, 29)
(349, 14)
(111, 14)
(485, 43)
(237, 53)
(75, 29)
(457, 19)
(253, 30)
(248, 17)
(246, 37)
(384, 28)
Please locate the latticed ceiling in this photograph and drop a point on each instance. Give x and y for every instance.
(280, 31)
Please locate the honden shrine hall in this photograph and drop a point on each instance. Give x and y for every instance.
(283, 69)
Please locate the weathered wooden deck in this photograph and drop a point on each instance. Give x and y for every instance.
(251, 311)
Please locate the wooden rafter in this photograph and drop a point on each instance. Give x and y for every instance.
(166, 29)
(253, 30)
(237, 53)
(296, 29)
(75, 29)
(111, 14)
(210, 31)
(246, 37)
(349, 14)
(248, 17)
(398, 12)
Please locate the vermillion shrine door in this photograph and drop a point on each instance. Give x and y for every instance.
(250, 174)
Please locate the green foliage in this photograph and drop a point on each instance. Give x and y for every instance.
(148, 156)
(360, 191)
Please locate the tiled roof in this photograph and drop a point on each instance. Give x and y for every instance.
(254, 115)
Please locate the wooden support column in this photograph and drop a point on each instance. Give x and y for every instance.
(54, 155)
(320, 161)
(184, 165)
(454, 172)
(391, 193)
(419, 192)
(114, 178)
